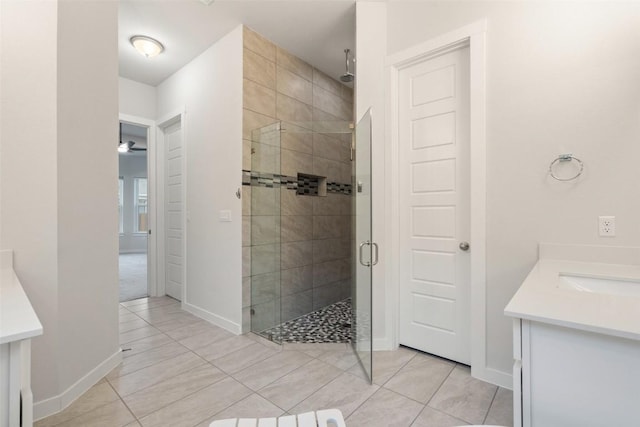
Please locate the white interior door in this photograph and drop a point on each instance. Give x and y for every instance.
(434, 205)
(174, 208)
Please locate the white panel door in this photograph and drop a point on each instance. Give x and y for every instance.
(174, 209)
(434, 205)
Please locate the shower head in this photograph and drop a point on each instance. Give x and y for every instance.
(347, 77)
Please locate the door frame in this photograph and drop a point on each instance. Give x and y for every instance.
(473, 35)
(165, 121)
(152, 241)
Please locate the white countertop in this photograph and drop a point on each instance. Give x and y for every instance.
(540, 299)
(18, 320)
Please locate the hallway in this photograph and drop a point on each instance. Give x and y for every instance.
(179, 370)
(133, 276)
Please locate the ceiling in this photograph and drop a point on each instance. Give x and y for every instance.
(315, 31)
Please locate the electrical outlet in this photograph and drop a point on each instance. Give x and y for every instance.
(607, 226)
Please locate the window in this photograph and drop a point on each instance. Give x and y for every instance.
(140, 194)
(121, 204)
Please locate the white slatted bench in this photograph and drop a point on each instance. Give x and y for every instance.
(325, 418)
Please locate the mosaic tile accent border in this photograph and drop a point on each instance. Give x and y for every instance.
(336, 187)
(308, 186)
(303, 186)
(331, 324)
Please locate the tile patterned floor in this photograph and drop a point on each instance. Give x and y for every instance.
(331, 324)
(179, 370)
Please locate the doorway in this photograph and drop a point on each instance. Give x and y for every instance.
(133, 207)
(171, 201)
(434, 205)
(472, 36)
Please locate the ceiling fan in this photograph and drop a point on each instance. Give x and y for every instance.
(125, 147)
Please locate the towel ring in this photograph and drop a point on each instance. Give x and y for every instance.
(566, 158)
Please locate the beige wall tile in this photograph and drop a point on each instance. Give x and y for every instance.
(265, 229)
(347, 94)
(246, 154)
(344, 176)
(294, 64)
(258, 44)
(329, 168)
(246, 319)
(246, 200)
(296, 228)
(266, 315)
(331, 103)
(329, 294)
(246, 291)
(330, 147)
(323, 116)
(297, 140)
(295, 280)
(252, 121)
(330, 249)
(294, 162)
(289, 109)
(292, 85)
(246, 230)
(258, 98)
(265, 259)
(294, 204)
(335, 226)
(259, 69)
(265, 158)
(265, 201)
(326, 82)
(296, 254)
(265, 287)
(332, 204)
(331, 271)
(296, 305)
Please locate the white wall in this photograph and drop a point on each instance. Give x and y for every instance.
(137, 99)
(28, 169)
(131, 166)
(87, 188)
(59, 187)
(210, 89)
(371, 42)
(562, 77)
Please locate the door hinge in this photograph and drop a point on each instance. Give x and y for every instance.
(149, 231)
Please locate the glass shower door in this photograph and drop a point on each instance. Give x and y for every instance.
(264, 237)
(365, 251)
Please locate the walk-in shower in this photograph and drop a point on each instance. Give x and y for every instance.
(300, 231)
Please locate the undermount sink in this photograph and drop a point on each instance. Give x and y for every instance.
(599, 285)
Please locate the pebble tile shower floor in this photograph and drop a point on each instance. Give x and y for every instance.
(331, 324)
(180, 371)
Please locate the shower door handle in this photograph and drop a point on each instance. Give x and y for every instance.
(365, 243)
(374, 261)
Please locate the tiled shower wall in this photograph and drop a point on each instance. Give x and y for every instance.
(299, 245)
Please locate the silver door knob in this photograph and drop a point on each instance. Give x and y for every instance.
(464, 246)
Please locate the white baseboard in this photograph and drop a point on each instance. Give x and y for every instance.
(383, 344)
(217, 320)
(55, 404)
(493, 376)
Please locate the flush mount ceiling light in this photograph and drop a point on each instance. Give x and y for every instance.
(147, 46)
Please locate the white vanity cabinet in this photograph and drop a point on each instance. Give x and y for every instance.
(576, 336)
(18, 325)
(567, 377)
